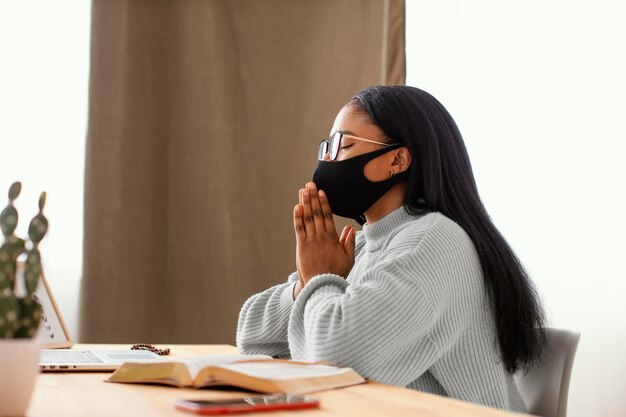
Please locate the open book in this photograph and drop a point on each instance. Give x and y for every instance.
(252, 372)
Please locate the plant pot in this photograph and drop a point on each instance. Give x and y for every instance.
(19, 366)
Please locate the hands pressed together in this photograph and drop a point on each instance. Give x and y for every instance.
(319, 249)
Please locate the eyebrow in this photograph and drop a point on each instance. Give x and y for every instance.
(345, 132)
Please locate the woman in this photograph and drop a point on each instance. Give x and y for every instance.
(429, 295)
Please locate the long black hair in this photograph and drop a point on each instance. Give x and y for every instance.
(441, 179)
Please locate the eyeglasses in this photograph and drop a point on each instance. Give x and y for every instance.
(333, 145)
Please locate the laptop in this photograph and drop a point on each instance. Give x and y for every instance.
(91, 360)
(55, 339)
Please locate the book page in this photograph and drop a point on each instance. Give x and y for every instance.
(196, 364)
(284, 370)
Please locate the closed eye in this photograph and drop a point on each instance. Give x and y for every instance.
(347, 146)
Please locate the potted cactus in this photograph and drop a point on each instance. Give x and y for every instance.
(20, 312)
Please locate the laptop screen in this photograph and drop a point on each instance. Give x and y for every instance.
(53, 332)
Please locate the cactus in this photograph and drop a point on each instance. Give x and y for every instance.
(20, 316)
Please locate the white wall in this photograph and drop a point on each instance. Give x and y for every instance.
(538, 89)
(44, 60)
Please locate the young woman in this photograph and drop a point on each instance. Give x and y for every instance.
(429, 295)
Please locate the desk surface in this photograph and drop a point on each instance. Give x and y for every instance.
(86, 394)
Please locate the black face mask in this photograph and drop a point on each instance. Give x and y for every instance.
(349, 192)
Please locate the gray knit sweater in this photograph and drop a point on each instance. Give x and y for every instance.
(412, 312)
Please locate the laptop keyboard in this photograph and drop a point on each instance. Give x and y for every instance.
(68, 356)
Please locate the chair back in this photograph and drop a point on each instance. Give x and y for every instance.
(545, 386)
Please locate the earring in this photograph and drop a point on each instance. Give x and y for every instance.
(392, 173)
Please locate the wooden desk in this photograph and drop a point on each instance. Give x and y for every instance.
(86, 394)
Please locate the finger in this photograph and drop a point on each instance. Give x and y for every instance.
(350, 241)
(307, 215)
(326, 212)
(344, 235)
(316, 209)
(346, 239)
(298, 224)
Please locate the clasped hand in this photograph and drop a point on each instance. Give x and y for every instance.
(318, 248)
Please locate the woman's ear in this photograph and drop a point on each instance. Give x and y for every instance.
(401, 160)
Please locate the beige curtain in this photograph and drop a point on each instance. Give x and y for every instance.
(204, 121)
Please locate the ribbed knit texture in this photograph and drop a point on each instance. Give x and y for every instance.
(412, 312)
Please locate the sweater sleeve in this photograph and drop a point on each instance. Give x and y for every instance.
(264, 317)
(263, 321)
(380, 327)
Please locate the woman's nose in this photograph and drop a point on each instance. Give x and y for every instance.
(326, 157)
